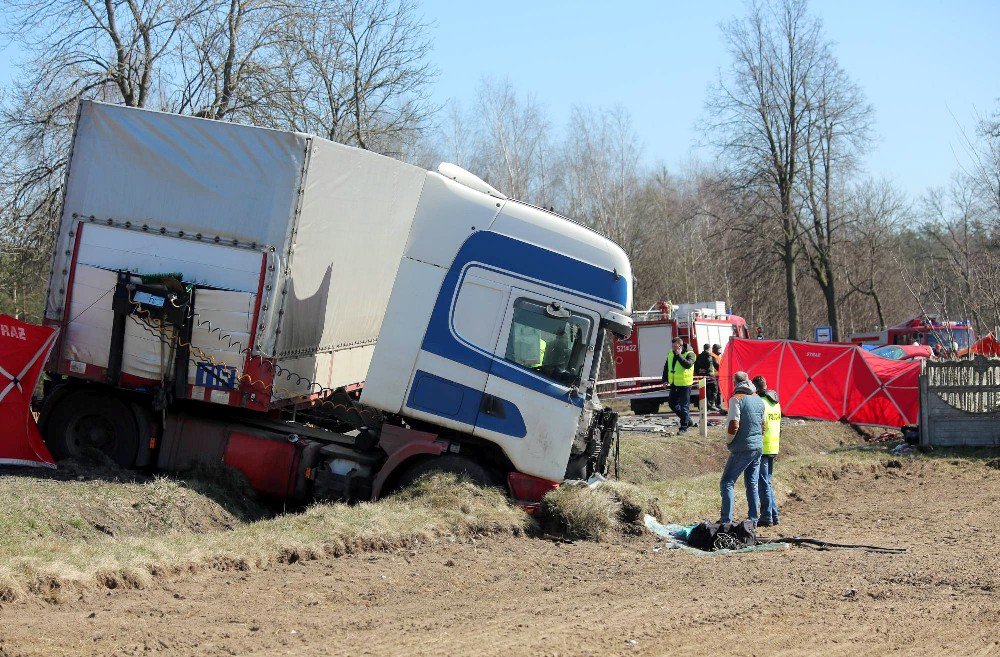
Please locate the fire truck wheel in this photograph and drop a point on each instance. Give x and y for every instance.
(451, 464)
(92, 427)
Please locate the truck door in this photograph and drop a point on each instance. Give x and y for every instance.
(532, 404)
(450, 375)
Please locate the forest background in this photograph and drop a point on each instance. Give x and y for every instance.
(783, 222)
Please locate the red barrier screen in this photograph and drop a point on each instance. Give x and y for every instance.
(23, 350)
(829, 382)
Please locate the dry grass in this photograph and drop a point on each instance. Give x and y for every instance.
(690, 499)
(56, 541)
(597, 513)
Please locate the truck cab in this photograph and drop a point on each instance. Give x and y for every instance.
(496, 323)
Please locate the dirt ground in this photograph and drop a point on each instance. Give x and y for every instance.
(522, 596)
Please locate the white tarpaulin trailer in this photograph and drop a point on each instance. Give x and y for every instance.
(266, 224)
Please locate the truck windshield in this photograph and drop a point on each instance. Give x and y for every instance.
(553, 346)
(945, 337)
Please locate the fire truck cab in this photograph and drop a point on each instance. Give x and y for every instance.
(929, 330)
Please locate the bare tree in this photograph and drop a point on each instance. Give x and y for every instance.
(837, 131)
(956, 222)
(759, 115)
(225, 54)
(512, 142)
(456, 137)
(353, 71)
(877, 210)
(602, 175)
(982, 166)
(81, 46)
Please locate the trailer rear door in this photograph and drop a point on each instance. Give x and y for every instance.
(228, 284)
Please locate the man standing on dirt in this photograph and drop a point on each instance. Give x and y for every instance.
(678, 374)
(772, 437)
(746, 426)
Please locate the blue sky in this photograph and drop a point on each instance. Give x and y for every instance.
(925, 66)
(919, 63)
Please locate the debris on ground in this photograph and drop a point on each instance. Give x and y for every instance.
(884, 437)
(741, 538)
(676, 537)
(648, 423)
(666, 424)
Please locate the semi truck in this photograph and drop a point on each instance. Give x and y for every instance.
(639, 357)
(331, 322)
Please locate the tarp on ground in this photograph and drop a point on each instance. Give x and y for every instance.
(829, 381)
(23, 350)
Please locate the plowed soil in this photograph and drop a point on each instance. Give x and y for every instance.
(522, 596)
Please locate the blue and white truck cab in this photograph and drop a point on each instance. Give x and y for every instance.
(496, 323)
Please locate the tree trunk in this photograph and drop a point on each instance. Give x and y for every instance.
(878, 308)
(791, 292)
(830, 294)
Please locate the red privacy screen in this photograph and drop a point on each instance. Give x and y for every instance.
(23, 350)
(828, 382)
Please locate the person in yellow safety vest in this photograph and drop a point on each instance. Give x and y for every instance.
(772, 437)
(678, 374)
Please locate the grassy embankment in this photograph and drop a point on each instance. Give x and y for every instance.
(113, 529)
(57, 534)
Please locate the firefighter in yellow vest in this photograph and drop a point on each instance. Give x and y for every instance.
(678, 374)
(772, 436)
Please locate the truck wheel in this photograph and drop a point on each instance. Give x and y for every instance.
(85, 425)
(457, 465)
(644, 406)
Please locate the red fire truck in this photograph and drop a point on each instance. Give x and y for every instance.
(929, 330)
(639, 359)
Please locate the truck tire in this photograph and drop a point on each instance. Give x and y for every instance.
(91, 426)
(459, 466)
(645, 406)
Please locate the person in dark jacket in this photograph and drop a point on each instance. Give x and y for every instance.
(705, 365)
(717, 357)
(678, 374)
(746, 426)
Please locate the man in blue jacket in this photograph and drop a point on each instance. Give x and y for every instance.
(746, 426)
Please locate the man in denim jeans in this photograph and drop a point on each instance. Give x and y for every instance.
(746, 426)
